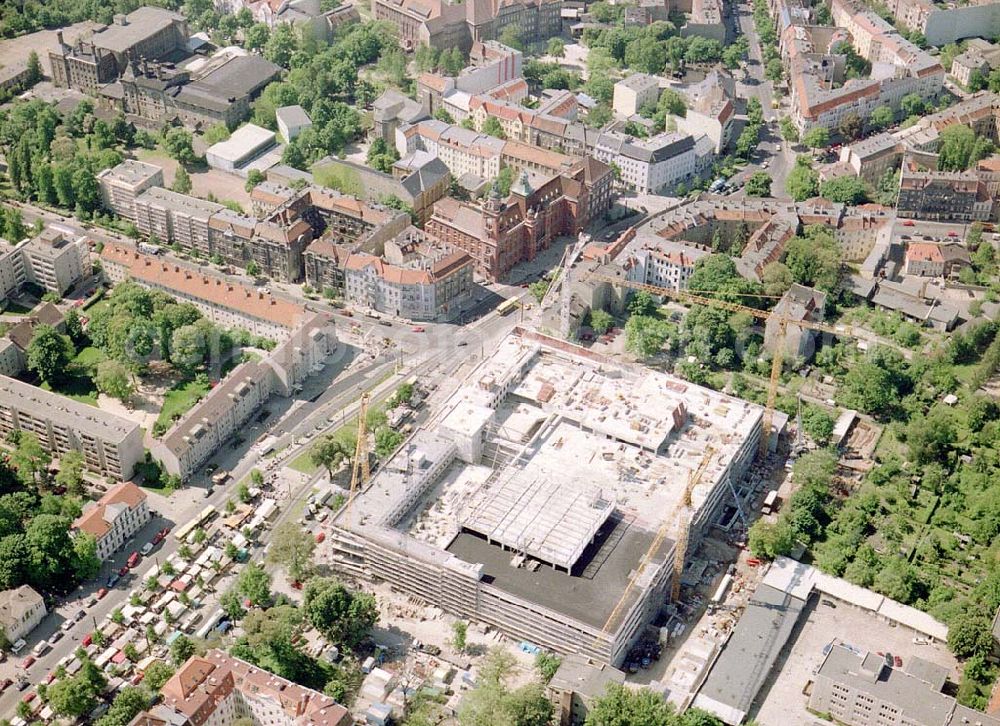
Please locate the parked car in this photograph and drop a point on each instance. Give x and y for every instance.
(102, 592)
(123, 571)
(417, 328)
(134, 559)
(28, 662)
(67, 625)
(5, 684)
(114, 579)
(157, 538)
(80, 615)
(147, 548)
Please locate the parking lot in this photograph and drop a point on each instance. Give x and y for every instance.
(782, 701)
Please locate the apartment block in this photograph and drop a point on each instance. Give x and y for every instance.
(217, 417)
(175, 218)
(121, 185)
(652, 260)
(416, 278)
(491, 65)
(54, 261)
(148, 32)
(711, 110)
(219, 690)
(226, 303)
(115, 518)
(111, 445)
(12, 273)
(943, 196)
(649, 166)
(21, 610)
(821, 93)
(634, 92)
(444, 24)
(946, 22)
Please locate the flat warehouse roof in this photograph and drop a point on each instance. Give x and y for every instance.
(588, 594)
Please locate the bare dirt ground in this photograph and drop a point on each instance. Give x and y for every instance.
(211, 181)
(15, 50)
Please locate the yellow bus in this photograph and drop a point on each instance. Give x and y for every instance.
(204, 516)
(508, 306)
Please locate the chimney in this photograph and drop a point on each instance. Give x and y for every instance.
(59, 38)
(121, 19)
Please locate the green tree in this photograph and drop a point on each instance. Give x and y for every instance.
(387, 441)
(621, 706)
(343, 616)
(818, 424)
(329, 453)
(960, 148)
(493, 127)
(969, 635)
(547, 664)
(157, 673)
(85, 564)
(512, 37)
(601, 321)
(177, 142)
(459, 631)
(254, 177)
(70, 474)
(34, 69)
(49, 353)
(255, 37)
(292, 548)
(645, 336)
(182, 181)
(788, 130)
(758, 184)
(72, 697)
(850, 126)
(814, 258)
(817, 137)
(181, 649)
(803, 181)
(912, 105)
(255, 584)
(29, 458)
(844, 190)
(114, 379)
(881, 118)
(128, 703)
(777, 278)
(556, 47)
(769, 540)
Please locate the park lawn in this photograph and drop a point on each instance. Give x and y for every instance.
(303, 462)
(89, 358)
(179, 400)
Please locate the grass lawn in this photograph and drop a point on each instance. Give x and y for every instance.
(303, 462)
(178, 401)
(89, 358)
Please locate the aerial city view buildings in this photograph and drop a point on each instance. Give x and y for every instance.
(500, 362)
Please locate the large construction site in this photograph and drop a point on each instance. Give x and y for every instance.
(548, 496)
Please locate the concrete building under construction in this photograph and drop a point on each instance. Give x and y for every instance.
(540, 489)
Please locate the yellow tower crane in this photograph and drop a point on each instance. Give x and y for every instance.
(684, 523)
(360, 471)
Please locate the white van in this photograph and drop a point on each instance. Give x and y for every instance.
(18, 646)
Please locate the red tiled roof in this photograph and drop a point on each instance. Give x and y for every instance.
(92, 521)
